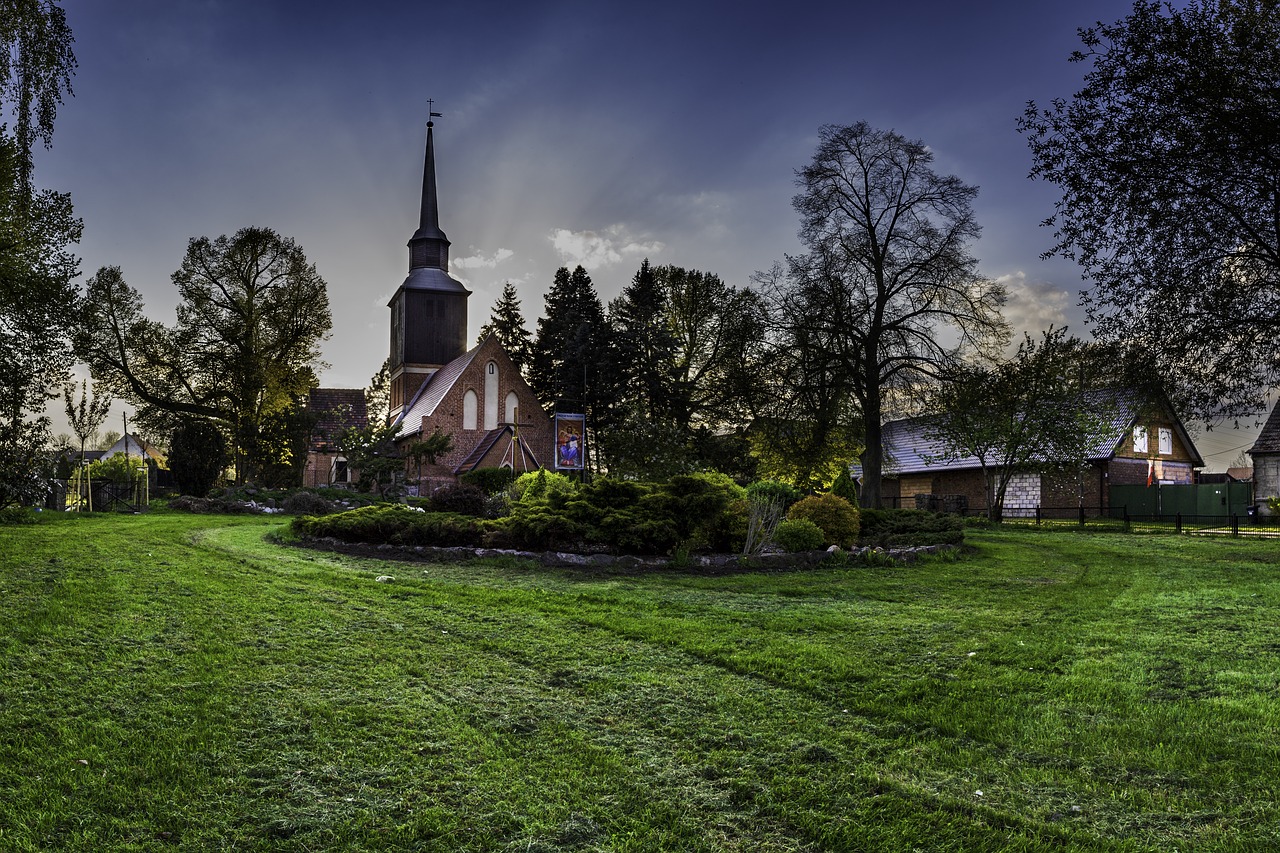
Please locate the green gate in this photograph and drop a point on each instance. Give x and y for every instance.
(1205, 500)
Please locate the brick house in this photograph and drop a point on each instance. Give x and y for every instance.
(1145, 444)
(335, 409)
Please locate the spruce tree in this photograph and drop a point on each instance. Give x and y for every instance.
(507, 322)
(570, 346)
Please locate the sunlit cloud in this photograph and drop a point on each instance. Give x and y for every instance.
(479, 261)
(596, 249)
(1034, 305)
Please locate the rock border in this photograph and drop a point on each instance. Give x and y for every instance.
(630, 563)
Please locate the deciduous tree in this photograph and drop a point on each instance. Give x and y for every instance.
(887, 293)
(1168, 161)
(243, 353)
(1044, 408)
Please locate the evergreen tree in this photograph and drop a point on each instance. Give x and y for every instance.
(644, 346)
(507, 322)
(571, 346)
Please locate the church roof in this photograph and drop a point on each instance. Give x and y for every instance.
(1269, 439)
(488, 442)
(432, 392)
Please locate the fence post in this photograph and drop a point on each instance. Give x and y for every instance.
(1235, 525)
(1037, 515)
(1179, 522)
(1082, 515)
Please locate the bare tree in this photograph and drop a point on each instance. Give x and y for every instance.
(887, 294)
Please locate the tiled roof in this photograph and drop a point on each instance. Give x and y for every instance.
(431, 394)
(335, 409)
(908, 447)
(1269, 439)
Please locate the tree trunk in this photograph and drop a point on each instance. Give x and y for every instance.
(872, 452)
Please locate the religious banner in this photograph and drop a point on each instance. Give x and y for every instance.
(570, 442)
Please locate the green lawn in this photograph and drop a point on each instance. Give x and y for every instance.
(172, 682)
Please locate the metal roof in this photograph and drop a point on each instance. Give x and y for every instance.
(432, 393)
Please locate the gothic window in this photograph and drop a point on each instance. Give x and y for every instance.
(513, 403)
(470, 406)
(491, 396)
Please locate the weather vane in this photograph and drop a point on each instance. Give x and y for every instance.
(430, 115)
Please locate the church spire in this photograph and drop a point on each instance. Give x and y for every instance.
(429, 247)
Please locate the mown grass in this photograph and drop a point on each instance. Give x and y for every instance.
(180, 682)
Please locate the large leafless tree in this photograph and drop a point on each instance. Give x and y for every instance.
(888, 292)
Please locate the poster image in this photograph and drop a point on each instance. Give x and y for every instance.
(570, 442)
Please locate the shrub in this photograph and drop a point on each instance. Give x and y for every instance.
(197, 456)
(767, 502)
(395, 525)
(798, 534)
(491, 481)
(542, 486)
(460, 498)
(837, 518)
(306, 503)
(845, 488)
(906, 528)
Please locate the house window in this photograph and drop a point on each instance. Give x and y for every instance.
(1139, 439)
(340, 474)
(1166, 441)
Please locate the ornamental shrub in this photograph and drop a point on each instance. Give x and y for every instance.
(907, 528)
(395, 525)
(798, 534)
(306, 503)
(461, 498)
(491, 481)
(837, 518)
(197, 456)
(542, 486)
(767, 502)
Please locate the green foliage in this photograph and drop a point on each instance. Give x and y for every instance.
(905, 528)
(564, 365)
(120, 469)
(1160, 157)
(506, 321)
(303, 502)
(395, 525)
(767, 503)
(491, 481)
(542, 486)
(372, 454)
(252, 313)
(799, 534)
(845, 487)
(460, 498)
(197, 456)
(837, 518)
(16, 515)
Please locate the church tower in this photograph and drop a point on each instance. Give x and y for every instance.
(429, 310)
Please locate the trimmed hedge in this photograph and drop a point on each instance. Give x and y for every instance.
(396, 525)
(909, 528)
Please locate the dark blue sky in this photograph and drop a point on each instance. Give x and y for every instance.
(573, 132)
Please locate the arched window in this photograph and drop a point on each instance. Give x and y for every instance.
(491, 396)
(470, 406)
(513, 403)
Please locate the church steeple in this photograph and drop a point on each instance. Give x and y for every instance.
(429, 310)
(429, 247)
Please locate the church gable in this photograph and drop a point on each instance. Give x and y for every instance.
(473, 396)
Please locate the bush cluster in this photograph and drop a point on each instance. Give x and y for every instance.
(906, 528)
(798, 534)
(396, 525)
(835, 516)
(307, 503)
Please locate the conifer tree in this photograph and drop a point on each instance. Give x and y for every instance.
(507, 322)
(571, 346)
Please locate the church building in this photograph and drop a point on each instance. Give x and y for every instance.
(478, 395)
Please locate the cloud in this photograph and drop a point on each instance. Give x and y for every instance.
(596, 249)
(479, 261)
(1034, 305)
